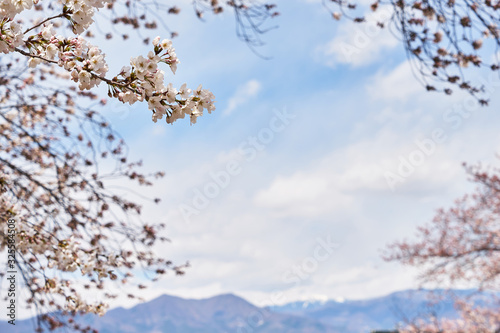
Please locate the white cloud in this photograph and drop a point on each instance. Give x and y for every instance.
(337, 181)
(398, 84)
(242, 95)
(302, 195)
(359, 44)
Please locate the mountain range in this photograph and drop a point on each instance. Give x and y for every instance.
(230, 313)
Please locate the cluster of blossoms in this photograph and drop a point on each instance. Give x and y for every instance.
(141, 81)
(11, 36)
(65, 256)
(78, 12)
(10, 8)
(147, 82)
(473, 318)
(85, 61)
(82, 12)
(74, 302)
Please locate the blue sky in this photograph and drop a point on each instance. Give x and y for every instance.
(321, 177)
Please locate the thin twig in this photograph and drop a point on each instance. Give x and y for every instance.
(39, 24)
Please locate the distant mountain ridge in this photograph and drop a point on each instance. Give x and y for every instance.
(230, 313)
(381, 313)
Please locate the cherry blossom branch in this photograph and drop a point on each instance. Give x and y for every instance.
(142, 81)
(63, 14)
(35, 56)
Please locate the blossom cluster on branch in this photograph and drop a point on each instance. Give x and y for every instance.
(461, 246)
(143, 81)
(443, 40)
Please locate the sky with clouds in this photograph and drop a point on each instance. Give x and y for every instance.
(314, 160)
